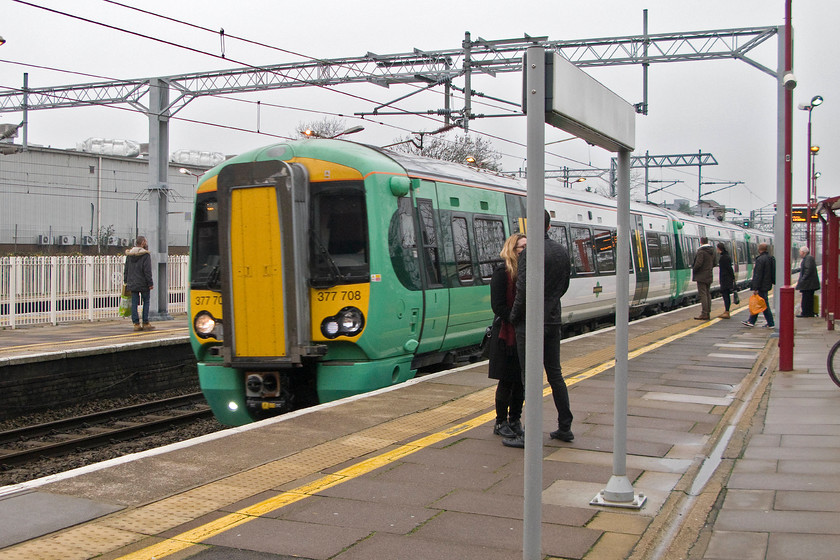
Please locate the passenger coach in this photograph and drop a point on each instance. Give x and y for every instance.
(325, 268)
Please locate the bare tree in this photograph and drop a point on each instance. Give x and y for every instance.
(462, 149)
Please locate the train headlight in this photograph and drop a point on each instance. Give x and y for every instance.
(205, 324)
(347, 322)
(330, 327)
(352, 321)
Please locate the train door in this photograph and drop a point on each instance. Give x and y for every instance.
(262, 240)
(639, 260)
(435, 301)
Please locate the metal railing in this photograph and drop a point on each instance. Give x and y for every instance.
(41, 290)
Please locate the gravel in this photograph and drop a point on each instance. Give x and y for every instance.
(22, 473)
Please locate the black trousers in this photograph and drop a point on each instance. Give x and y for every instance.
(510, 397)
(553, 371)
(808, 303)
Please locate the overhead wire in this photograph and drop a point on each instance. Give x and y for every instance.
(223, 57)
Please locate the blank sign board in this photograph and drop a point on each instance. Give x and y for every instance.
(580, 105)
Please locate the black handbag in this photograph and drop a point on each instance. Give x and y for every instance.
(484, 345)
(735, 298)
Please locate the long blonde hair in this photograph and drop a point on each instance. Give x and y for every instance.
(508, 253)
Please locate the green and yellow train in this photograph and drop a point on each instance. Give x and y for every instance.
(322, 269)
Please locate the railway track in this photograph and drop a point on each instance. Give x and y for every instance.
(70, 435)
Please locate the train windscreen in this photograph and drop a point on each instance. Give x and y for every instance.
(204, 260)
(338, 234)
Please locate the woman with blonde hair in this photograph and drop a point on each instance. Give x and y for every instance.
(504, 361)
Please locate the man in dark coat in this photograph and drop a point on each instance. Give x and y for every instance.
(137, 276)
(701, 272)
(558, 270)
(762, 282)
(809, 281)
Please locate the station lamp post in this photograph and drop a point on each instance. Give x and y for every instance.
(812, 195)
(815, 102)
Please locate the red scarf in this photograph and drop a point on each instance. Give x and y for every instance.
(506, 332)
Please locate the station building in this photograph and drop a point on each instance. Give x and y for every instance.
(92, 199)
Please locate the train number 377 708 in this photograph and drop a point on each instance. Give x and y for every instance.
(341, 295)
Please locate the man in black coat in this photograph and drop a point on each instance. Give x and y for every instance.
(137, 276)
(809, 281)
(762, 282)
(701, 271)
(558, 270)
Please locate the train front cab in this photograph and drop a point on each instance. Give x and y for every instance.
(281, 286)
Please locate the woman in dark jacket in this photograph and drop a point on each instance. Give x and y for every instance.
(504, 361)
(137, 275)
(727, 278)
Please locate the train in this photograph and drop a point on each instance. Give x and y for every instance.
(324, 268)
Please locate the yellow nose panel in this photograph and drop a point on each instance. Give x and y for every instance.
(257, 273)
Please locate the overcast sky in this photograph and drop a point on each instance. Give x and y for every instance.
(726, 108)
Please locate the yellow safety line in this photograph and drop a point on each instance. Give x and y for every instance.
(213, 528)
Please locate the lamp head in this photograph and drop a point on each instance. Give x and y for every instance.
(815, 150)
(816, 100)
(2, 40)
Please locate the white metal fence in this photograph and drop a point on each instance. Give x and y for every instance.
(35, 290)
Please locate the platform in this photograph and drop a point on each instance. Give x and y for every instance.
(416, 472)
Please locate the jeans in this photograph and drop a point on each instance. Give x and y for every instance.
(724, 293)
(136, 297)
(553, 371)
(768, 315)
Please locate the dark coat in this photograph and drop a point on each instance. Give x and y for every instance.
(704, 262)
(137, 273)
(763, 273)
(504, 360)
(809, 280)
(558, 271)
(726, 273)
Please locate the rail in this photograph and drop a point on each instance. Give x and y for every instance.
(53, 290)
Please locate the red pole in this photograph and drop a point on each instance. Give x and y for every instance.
(786, 291)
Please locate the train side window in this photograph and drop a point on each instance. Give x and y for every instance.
(463, 254)
(430, 241)
(665, 256)
(558, 234)
(582, 258)
(489, 239)
(605, 250)
(742, 252)
(653, 251)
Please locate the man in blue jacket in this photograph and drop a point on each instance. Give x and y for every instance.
(137, 276)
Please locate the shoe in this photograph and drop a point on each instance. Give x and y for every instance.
(747, 324)
(518, 441)
(724, 315)
(503, 429)
(516, 428)
(769, 326)
(138, 327)
(562, 435)
(148, 327)
(702, 318)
